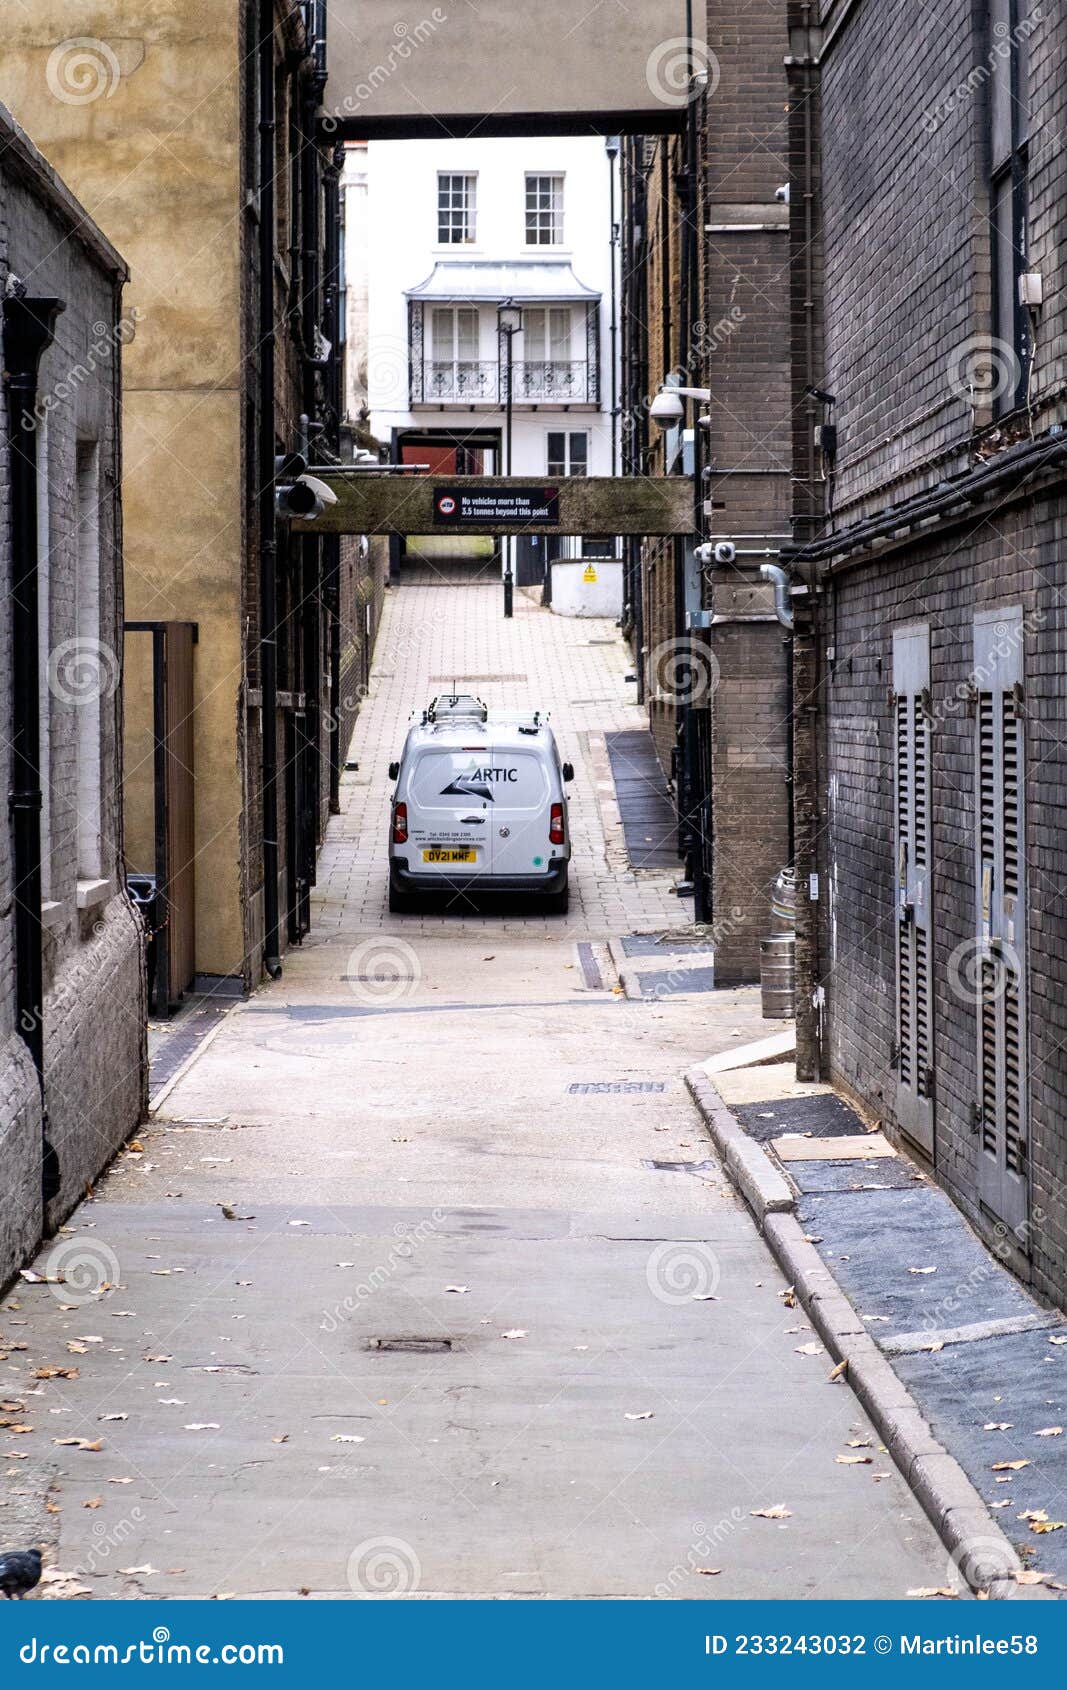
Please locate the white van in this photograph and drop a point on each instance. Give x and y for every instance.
(479, 806)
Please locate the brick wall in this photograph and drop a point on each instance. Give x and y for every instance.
(92, 951)
(907, 257)
(744, 360)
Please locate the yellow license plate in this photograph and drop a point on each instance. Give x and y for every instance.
(441, 854)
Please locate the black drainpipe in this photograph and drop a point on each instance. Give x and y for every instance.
(29, 325)
(332, 542)
(268, 540)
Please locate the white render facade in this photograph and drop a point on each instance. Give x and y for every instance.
(440, 233)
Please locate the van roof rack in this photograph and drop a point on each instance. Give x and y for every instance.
(453, 705)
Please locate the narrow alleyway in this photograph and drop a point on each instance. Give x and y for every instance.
(395, 1297)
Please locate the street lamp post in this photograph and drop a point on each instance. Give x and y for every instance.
(509, 324)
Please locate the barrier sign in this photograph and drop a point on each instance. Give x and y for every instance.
(467, 507)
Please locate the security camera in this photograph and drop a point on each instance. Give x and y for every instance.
(320, 489)
(782, 194)
(721, 551)
(303, 499)
(667, 410)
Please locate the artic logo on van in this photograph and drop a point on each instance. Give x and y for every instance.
(478, 783)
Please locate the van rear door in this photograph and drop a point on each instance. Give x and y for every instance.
(522, 800)
(449, 804)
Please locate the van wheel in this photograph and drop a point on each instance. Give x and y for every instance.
(558, 903)
(401, 903)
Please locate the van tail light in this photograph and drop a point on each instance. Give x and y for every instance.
(400, 824)
(555, 826)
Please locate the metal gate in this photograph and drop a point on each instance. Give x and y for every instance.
(1001, 1107)
(914, 849)
(160, 802)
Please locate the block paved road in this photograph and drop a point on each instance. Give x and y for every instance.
(460, 1336)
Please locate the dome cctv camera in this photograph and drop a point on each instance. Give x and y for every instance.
(725, 552)
(667, 409)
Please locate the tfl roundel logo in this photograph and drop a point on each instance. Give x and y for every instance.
(446, 505)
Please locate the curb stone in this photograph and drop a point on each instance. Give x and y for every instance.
(936, 1479)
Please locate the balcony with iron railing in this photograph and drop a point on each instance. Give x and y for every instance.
(542, 381)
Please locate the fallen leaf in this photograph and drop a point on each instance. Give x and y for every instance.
(925, 1591)
(171, 1402)
(203, 1426)
(460, 1290)
(112, 1417)
(859, 1443)
(1049, 1432)
(80, 1443)
(838, 1372)
(778, 1511)
(1048, 1525)
(997, 1426)
(346, 1438)
(646, 1414)
(283, 1439)
(70, 1587)
(516, 1332)
(811, 1349)
(299, 1223)
(57, 1373)
(93, 1502)
(704, 1297)
(922, 1270)
(1030, 1575)
(708, 1572)
(1009, 1466)
(1058, 1340)
(934, 1345)
(789, 1296)
(133, 1572)
(120, 1481)
(853, 1460)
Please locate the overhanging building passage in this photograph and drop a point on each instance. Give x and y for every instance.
(617, 68)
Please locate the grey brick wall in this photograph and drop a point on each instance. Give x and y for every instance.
(907, 258)
(93, 964)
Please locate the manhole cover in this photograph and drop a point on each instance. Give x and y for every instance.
(615, 1086)
(417, 1346)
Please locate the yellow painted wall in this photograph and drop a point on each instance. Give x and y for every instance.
(136, 103)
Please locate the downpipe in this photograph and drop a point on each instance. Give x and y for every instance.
(783, 603)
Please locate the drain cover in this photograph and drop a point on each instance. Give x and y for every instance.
(416, 1346)
(615, 1085)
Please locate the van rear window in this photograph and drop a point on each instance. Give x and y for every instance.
(506, 779)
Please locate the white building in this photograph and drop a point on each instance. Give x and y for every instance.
(439, 234)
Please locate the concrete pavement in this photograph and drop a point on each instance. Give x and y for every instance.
(425, 1279)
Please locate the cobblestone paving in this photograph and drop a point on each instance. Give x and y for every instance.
(573, 667)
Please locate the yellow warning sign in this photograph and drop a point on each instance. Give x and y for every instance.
(590, 573)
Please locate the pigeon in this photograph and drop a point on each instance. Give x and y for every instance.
(20, 1570)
